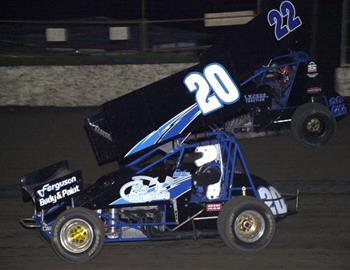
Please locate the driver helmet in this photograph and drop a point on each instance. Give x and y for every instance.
(209, 154)
(284, 70)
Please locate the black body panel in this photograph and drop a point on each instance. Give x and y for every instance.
(105, 190)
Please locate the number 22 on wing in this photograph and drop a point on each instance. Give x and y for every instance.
(214, 88)
(275, 18)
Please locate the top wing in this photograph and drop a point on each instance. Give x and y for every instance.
(204, 95)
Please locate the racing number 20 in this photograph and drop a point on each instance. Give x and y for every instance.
(273, 200)
(214, 88)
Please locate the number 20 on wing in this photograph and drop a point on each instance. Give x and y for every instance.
(213, 88)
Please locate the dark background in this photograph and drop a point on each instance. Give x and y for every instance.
(23, 24)
(120, 9)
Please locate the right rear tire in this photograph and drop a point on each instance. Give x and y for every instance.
(246, 223)
(313, 124)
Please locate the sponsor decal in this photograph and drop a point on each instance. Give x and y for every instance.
(100, 131)
(213, 207)
(314, 90)
(146, 189)
(55, 186)
(57, 190)
(311, 67)
(312, 70)
(256, 98)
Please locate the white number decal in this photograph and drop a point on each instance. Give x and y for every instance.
(280, 204)
(273, 199)
(214, 88)
(195, 82)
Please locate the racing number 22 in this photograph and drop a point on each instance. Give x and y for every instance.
(214, 88)
(275, 17)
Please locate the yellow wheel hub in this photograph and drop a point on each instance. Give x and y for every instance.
(76, 235)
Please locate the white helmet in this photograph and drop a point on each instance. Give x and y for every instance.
(209, 154)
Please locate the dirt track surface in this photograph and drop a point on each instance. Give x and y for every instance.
(317, 238)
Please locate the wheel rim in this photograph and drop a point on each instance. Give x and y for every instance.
(314, 126)
(249, 226)
(76, 235)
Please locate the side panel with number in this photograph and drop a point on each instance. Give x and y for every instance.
(273, 200)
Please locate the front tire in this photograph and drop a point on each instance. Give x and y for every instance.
(77, 235)
(246, 223)
(313, 124)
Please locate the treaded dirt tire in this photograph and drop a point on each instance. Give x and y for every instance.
(313, 124)
(77, 235)
(234, 224)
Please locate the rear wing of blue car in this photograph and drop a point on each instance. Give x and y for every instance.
(201, 97)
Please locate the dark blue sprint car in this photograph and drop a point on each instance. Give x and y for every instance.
(288, 89)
